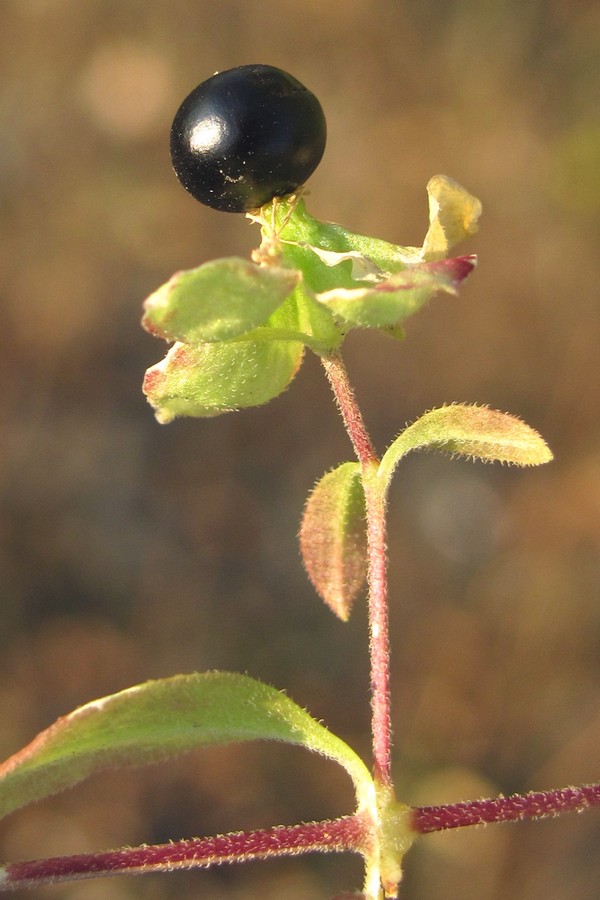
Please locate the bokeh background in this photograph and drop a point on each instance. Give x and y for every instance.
(132, 551)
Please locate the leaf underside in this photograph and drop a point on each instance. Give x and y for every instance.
(333, 538)
(209, 379)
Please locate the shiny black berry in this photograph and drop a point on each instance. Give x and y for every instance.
(245, 136)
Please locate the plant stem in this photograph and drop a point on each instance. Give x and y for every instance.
(379, 643)
(375, 501)
(351, 414)
(348, 833)
(536, 805)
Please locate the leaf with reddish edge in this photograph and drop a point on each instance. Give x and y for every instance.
(333, 538)
(473, 431)
(456, 269)
(394, 299)
(160, 719)
(208, 379)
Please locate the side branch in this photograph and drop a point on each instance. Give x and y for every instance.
(519, 807)
(346, 834)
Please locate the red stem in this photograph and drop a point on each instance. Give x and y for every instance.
(379, 647)
(351, 414)
(536, 805)
(348, 833)
(379, 642)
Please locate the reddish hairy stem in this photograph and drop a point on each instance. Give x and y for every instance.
(379, 641)
(379, 648)
(351, 414)
(536, 805)
(348, 833)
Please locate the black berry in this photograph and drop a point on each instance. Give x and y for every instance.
(245, 136)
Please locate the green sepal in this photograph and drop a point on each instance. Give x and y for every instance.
(329, 255)
(333, 537)
(208, 379)
(301, 318)
(388, 303)
(365, 281)
(161, 719)
(476, 432)
(217, 301)
(240, 326)
(313, 246)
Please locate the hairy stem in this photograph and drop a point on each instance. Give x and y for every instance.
(348, 833)
(536, 805)
(351, 414)
(379, 644)
(379, 648)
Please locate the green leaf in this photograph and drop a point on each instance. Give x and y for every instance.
(473, 431)
(391, 301)
(217, 301)
(160, 719)
(209, 379)
(333, 537)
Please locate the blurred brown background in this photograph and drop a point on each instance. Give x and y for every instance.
(130, 550)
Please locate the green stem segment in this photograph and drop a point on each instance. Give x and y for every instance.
(375, 498)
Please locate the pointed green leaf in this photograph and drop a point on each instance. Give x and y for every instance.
(333, 538)
(161, 719)
(391, 301)
(217, 301)
(208, 379)
(473, 431)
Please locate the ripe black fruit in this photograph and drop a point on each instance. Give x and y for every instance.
(245, 136)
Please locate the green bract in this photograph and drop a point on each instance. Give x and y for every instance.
(240, 326)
